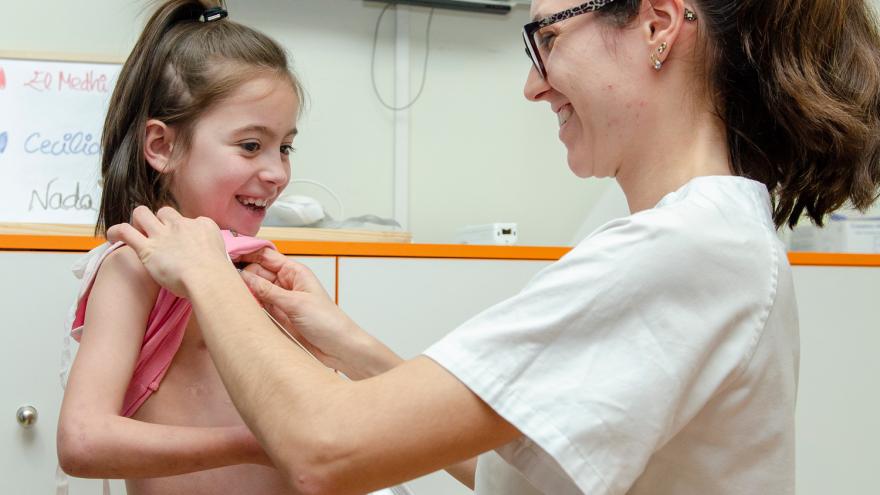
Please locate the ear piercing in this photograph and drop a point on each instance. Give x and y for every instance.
(689, 16)
(655, 56)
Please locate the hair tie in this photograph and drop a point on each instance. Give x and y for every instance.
(214, 14)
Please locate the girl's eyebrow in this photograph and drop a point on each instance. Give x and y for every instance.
(263, 130)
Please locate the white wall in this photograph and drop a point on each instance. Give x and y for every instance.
(479, 151)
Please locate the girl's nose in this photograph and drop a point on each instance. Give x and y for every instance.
(276, 171)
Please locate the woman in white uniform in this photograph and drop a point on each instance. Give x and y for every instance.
(660, 355)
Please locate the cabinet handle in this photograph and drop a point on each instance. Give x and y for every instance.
(26, 416)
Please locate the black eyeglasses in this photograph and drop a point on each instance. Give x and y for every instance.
(534, 47)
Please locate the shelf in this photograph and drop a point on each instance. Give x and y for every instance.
(833, 259)
(21, 242)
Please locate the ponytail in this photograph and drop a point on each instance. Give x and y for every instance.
(179, 67)
(797, 84)
(814, 66)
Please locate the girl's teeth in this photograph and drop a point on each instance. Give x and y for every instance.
(253, 202)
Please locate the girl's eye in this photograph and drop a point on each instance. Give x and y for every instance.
(250, 147)
(287, 149)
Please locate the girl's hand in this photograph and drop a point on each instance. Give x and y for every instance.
(175, 250)
(295, 297)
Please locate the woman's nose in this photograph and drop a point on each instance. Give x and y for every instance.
(536, 86)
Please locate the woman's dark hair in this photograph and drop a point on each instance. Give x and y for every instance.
(179, 68)
(797, 85)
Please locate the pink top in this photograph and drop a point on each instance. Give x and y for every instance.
(165, 326)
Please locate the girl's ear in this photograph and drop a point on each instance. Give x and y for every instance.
(159, 146)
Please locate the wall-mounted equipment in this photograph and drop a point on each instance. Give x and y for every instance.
(484, 6)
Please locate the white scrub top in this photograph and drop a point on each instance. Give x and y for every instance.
(659, 356)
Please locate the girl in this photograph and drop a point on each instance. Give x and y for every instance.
(203, 117)
(659, 356)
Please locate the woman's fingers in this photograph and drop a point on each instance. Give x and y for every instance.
(286, 272)
(258, 270)
(144, 220)
(172, 246)
(268, 293)
(126, 233)
(268, 258)
(168, 214)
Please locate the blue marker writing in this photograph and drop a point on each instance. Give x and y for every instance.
(72, 143)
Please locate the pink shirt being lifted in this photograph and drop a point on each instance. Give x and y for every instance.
(165, 326)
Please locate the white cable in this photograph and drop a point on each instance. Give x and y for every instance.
(424, 67)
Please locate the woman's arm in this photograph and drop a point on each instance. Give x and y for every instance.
(93, 439)
(328, 435)
(328, 332)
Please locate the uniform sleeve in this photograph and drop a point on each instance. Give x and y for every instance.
(609, 352)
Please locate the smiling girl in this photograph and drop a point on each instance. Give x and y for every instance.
(203, 118)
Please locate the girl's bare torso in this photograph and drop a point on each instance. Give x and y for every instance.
(192, 394)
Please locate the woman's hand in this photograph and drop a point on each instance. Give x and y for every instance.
(295, 297)
(175, 250)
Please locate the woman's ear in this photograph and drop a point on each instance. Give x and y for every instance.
(159, 146)
(661, 23)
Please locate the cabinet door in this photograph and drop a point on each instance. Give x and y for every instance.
(324, 269)
(37, 291)
(411, 303)
(839, 391)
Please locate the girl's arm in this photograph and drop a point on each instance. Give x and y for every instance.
(94, 441)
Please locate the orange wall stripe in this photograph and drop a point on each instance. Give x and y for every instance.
(833, 259)
(398, 250)
(48, 242)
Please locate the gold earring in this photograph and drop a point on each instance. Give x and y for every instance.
(655, 56)
(689, 15)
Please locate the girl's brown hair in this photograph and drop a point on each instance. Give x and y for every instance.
(797, 84)
(179, 68)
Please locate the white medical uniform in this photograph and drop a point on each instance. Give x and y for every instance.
(659, 356)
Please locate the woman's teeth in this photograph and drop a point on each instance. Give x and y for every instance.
(564, 114)
(252, 202)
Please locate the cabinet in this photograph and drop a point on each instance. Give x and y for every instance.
(409, 302)
(38, 288)
(838, 400)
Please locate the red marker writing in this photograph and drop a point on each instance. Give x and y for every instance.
(2, 79)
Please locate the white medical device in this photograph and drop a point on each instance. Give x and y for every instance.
(499, 234)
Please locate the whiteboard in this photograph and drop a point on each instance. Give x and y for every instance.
(51, 115)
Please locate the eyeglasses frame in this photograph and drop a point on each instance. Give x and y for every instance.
(531, 28)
